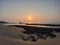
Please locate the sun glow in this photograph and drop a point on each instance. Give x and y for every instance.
(30, 18)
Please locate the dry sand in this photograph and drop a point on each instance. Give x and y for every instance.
(12, 36)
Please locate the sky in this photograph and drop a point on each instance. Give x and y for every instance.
(40, 11)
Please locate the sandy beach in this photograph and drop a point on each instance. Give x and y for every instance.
(12, 36)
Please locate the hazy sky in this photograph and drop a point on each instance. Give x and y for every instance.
(42, 11)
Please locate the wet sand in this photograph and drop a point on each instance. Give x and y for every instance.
(12, 36)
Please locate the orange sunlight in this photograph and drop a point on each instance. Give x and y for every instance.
(30, 18)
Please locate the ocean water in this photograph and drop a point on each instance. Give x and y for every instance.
(36, 25)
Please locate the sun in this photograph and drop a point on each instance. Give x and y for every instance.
(30, 18)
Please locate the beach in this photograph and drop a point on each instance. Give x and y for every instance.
(13, 36)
